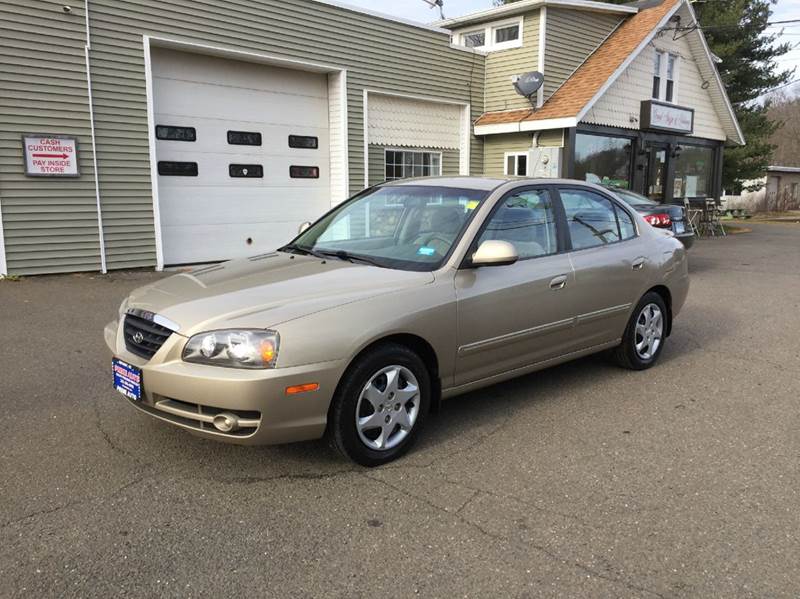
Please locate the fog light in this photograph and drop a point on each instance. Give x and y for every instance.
(226, 423)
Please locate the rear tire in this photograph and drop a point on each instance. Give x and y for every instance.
(380, 405)
(645, 334)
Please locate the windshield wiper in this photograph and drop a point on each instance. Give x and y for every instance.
(342, 255)
(296, 249)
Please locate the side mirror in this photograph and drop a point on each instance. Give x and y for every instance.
(302, 228)
(494, 252)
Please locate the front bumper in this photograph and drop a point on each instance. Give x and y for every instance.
(189, 395)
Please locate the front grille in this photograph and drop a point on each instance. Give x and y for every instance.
(144, 337)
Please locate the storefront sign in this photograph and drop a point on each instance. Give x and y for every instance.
(50, 156)
(667, 117)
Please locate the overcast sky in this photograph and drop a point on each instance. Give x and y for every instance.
(418, 10)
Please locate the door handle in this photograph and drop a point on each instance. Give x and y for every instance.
(559, 282)
(638, 264)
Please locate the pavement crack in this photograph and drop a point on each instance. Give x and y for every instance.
(553, 556)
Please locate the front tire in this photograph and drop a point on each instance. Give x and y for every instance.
(645, 334)
(380, 405)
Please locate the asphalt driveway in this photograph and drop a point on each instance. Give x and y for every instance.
(581, 481)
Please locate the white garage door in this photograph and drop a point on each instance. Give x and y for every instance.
(243, 154)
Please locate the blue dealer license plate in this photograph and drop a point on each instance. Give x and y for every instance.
(127, 379)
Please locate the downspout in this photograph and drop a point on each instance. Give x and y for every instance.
(86, 49)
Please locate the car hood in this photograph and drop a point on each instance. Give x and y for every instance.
(264, 291)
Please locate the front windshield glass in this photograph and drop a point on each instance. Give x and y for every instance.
(410, 227)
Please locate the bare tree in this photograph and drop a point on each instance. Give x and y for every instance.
(785, 109)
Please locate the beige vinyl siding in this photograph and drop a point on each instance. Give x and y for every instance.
(620, 106)
(378, 54)
(377, 162)
(551, 138)
(495, 147)
(50, 224)
(503, 64)
(570, 38)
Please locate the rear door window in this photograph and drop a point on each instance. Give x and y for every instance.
(591, 218)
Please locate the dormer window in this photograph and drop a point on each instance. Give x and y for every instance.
(494, 36)
(474, 39)
(665, 72)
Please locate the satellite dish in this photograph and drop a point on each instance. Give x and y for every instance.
(528, 84)
(436, 4)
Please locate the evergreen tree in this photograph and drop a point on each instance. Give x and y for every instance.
(736, 33)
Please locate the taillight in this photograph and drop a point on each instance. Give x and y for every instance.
(659, 220)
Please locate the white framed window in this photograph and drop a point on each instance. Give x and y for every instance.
(494, 36)
(516, 164)
(665, 76)
(404, 164)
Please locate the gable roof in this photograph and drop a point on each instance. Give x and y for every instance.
(522, 6)
(570, 102)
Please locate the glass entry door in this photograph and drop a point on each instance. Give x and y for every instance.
(655, 178)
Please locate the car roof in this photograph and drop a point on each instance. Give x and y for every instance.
(487, 183)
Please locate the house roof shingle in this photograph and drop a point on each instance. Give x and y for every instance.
(588, 79)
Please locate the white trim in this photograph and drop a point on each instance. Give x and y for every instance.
(542, 38)
(3, 264)
(151, 136)
(704, 43)
(90, 101)
(628, 60)
(412, 151)
(465, 132)
(345, 135)
(366, 138)
(522, 126)
(464, 157)
(526, 5)
(516, 156)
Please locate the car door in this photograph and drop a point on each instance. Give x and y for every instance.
(608, 260)
(515, 315)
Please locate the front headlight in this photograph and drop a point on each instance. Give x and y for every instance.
(234, 349)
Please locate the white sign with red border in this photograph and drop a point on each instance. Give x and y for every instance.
(50, 155)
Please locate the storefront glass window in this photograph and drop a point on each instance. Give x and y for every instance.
(693, 169)
(605, 160)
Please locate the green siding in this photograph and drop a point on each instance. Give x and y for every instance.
(503, 64)
(495, 147)
(377, 164)
(43, 55)
(570, 38)
(552, 138)
(50, 224)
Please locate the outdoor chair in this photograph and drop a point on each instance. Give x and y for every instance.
(692, 217)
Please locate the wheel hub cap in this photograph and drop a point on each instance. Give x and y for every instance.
(387, 408)
(649, 331)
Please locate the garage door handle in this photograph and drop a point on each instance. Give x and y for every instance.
(559, 282)
(638, 264)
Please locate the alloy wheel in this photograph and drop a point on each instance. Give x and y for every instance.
(387, 408)
(649, 331)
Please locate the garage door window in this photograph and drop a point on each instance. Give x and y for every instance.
(304, 172)
(244, 138)
(177, 169)
(248, 171)
(170, 133)
(305, 142)
(405, 164)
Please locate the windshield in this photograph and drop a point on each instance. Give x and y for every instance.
(632, 198)
(405, 227)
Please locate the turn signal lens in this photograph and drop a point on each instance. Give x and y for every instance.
(267, 351)
(295, 389)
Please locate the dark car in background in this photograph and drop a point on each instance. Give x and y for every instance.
(661, 216)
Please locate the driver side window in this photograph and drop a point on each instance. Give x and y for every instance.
(526, 220)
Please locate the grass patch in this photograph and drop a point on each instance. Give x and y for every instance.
(12, 278)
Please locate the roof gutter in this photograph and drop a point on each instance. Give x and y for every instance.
(525, 5)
